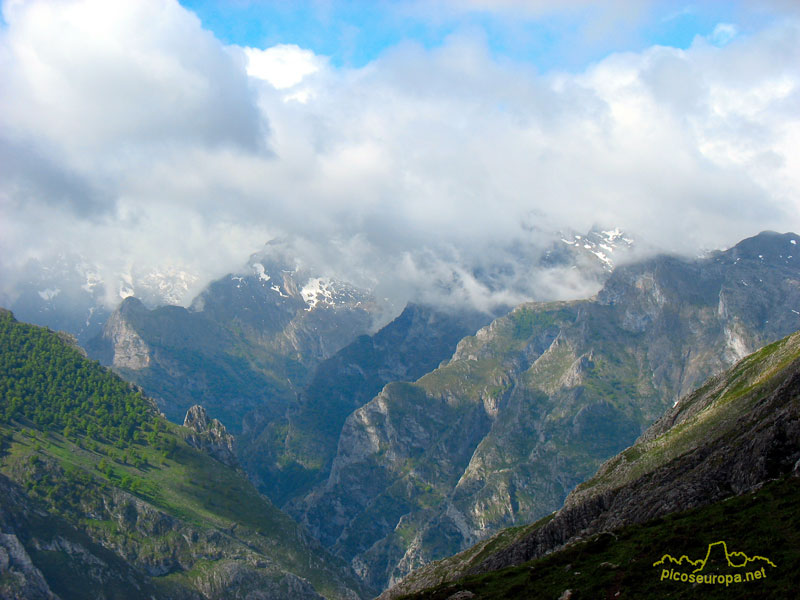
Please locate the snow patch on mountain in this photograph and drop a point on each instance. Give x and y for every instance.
(261, 272)
(49, 293)
(276, 288)
(605, 245)
(318, 289)
(166, 285)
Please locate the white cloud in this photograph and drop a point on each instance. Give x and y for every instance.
(283, 66)
(86, 74)
(138, 140)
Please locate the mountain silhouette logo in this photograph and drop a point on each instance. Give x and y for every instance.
(739, 566)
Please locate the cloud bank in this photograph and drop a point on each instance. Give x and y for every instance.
(132, 137)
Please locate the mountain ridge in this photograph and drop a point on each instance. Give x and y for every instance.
(747, 419)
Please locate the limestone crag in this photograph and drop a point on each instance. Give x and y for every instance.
(26, 528)
(21, 580)
(129, 350)
(210, 436)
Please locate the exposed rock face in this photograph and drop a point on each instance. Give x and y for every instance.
(249, 341)
(288, 455)
(739, 430)
(210, 436)
(26, 529)
(127, 556)
(128, 349)
(237, 581)
(535, 402)
(19, 577)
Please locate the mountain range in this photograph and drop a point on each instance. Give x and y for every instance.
(73, 293)
(533, 403)
(406, 443)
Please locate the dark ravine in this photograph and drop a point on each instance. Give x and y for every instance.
(730, 437)
(288, 455)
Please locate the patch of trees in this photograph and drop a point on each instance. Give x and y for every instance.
(51, 385)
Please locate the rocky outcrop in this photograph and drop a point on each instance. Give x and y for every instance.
(210, 436)
(235, 580)
(120, 345)
(38, 548)
(19, 577)
(117, 562)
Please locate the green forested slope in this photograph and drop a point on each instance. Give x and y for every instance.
(87, 453)
(48, 382)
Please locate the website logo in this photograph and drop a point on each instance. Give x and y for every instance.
(718, 567)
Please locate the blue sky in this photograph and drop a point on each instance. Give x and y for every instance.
(555, 35)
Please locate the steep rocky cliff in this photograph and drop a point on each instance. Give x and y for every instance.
(535, 402)
(30, 534)
(288, 455)
(210, 436)
(125, 348)
(738, 431)
(249, 341)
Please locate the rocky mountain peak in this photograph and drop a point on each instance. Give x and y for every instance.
(598, 248)
(120, 344)
(210, 436)
(767, 245)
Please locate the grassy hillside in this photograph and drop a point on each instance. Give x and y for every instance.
(620, 564)
(94, 452)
